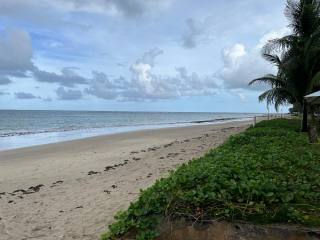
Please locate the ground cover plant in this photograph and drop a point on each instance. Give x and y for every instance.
(268, 174)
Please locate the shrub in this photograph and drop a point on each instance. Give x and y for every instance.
(268, 174)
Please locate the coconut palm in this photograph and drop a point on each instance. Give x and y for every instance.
(281, 91)
(296, 56)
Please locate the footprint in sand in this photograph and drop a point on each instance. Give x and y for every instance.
(93, 173)
(56, 183)
(32, 189)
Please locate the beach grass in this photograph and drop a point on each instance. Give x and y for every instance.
(268, 174)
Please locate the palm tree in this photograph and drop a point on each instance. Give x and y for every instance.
(281, 92)
(296, 56)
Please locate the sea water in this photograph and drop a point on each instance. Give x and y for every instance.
(19, 128)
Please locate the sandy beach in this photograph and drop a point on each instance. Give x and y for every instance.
(72, 190)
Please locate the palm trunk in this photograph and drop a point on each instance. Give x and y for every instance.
(304, 124)
(312, 128)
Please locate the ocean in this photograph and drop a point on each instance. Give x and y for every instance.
(19, 128)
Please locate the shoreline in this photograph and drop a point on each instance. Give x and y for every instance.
(72, 190)
(38, 139)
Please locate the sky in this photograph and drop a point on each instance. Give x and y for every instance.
(136, 55)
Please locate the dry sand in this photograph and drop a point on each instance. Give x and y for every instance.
(72, 190)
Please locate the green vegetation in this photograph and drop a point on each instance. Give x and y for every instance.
(296, 57)
(268, 174)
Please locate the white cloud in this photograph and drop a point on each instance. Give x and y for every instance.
(150, 56)
(231, 55)
(242, 65)
(273, 35)
(194, 83)
(240, 93)
(152, 86)
(145, 85)
(142, 77)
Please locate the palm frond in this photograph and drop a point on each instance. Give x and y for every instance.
(276, 96)
(269, 79)
(296, 56)
(315, 82)
(279, 44)
(303, 16)
(273, 58)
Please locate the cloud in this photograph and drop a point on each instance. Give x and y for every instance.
(272, 35)
(182, 84)
(128, 8)
(45, 9)
(150, 56)
(232, 54)
(4, 93)
(68, 77)
(47, 99)
(193, 82)
(4, 80)
(69, 94)
(120, 64)
(24, 95)
(241, 65)
(240, 93)
(102, 87)
(145, 85)
(142, 77)
(194, 31)
(15, 53)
